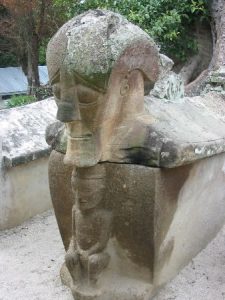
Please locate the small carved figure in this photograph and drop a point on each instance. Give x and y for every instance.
(86, 258)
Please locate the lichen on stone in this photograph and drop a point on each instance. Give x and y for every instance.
(23, 132)
(94, 42)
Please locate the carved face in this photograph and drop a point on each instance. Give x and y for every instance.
(89, 193)
(79, 106)
(97, 64)
(92, 117)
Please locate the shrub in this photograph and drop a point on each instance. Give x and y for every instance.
(43, 92)
(7, 59)
(20, 100)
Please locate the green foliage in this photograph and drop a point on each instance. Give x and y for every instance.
(20, 100)
(42, 52)
(65, 7)
(43, 92)
(40, 93)
(169, 22)
(7, 59)
(42, 55)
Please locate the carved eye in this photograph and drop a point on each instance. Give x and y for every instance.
(86, 95)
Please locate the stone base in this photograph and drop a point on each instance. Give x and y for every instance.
(109, 287)
(184, 210)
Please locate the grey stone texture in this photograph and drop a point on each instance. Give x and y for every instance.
(147, 172)
(24, 190)
(22, 130)
(90, 45)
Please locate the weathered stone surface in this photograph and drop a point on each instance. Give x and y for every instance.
(131, 244)
(169, 88)
(161, 219)
(22, 131)
(56, 137)
(24, 189)
(24, 192)
(170, 133)
(216, 81)
(125, 53)
(165, 64)
(90, 45)
(129, 222)
(61, 194)
(198, 213)
(151, 131)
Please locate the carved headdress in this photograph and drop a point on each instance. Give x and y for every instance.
(90, 45)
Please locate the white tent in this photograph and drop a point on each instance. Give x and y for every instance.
(13, 81)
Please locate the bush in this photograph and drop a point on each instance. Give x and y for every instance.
(40, 93)
(42, 51)
(169, 22)
(20, 100)
(7, 59)
(43, 92)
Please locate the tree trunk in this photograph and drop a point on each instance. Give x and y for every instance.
(33, 60)
(217, 10)
(189, 68)
(32, 40)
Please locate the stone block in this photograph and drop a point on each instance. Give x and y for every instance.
(137, 172)
(24, 156)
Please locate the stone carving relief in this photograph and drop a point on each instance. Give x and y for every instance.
(120, 105)
(98, 70)
(99, 84)
(91, 227)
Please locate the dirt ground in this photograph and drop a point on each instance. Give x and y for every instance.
(31, 256)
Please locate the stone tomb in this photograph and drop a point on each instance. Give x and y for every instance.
(24, 153)
(137, 172)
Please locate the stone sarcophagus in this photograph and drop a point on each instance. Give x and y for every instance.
(137, 171)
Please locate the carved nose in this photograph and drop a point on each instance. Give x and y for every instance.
(67, 112)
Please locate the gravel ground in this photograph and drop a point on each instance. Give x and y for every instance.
(31, 256)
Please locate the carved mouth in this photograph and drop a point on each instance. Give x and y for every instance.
(83, 201)
(81, 138)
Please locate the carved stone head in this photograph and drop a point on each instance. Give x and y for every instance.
(98, 65)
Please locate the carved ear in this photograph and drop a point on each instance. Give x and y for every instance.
(125, 87)
(141, 55)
